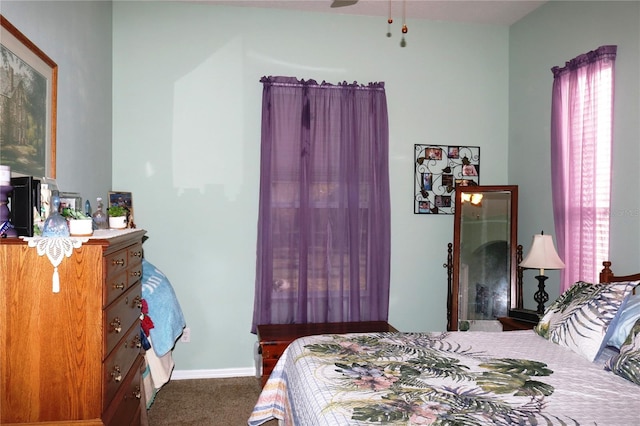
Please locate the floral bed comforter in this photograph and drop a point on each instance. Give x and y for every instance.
(460, 378)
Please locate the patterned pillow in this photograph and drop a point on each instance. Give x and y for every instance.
(628, 316)
(580, 317)
(627, 363)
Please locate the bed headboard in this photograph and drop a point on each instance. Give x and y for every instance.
(607, 276)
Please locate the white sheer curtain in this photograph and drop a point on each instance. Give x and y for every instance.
(581, 135)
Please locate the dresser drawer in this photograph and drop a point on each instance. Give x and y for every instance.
(134, 270)
(134, 254)
(120, 315)
(123, 259)
(273, 351)
(267, 366)
(126, 404)
(115, 286)
(116, 262)
(118, 363)
(134, 274)
(119, 282)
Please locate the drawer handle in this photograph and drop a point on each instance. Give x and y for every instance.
(115, 374)
(136, 394)
(137, 302)
(119, 286)
(136, 254)
(116, 324)
(115, 262)
(136, 274)
(136, 342)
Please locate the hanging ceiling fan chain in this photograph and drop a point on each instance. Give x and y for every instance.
(405, 29)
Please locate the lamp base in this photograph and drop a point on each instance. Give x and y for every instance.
(541, 296)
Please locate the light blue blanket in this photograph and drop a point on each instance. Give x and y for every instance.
(164, 309)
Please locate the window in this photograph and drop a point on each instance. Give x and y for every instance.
(581, 137)
(323, 251)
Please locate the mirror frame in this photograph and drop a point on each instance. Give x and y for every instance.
(454, 287)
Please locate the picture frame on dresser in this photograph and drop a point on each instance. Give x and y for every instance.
(28, 124)
(71, 200)
(123, 199)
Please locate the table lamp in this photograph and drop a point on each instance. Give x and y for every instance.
(542, 256)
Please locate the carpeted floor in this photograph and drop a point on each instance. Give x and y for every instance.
(206, 402)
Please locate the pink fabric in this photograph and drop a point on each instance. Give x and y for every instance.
(323, 252)
(581, 162)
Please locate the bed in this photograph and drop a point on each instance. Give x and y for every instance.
(580, 365)
(162, 323)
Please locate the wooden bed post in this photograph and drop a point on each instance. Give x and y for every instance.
(606, 275)
(449, 266)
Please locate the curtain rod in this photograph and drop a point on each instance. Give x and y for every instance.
(324, 85)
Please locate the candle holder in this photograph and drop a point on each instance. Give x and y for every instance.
(6, 228)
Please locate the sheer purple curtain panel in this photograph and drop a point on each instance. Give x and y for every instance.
(581, 135)
(323, 249)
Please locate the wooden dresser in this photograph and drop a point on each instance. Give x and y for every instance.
(274, 338)
(72, 356)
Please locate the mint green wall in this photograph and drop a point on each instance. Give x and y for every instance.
(186, 127)
(551, 35)
(77, 37)
(195, 180)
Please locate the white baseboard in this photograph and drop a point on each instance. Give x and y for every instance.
(213, 374)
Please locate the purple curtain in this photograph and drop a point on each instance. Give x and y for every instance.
(581, 134)
(323, 250)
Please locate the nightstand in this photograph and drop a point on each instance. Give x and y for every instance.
(511, 324)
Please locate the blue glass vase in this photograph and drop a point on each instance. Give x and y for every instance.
(55, 225)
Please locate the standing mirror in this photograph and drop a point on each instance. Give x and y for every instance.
(483, 287)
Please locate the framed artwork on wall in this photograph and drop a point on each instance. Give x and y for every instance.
(439, 170)
(28, 105)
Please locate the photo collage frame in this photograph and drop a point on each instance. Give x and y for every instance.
(439, 170)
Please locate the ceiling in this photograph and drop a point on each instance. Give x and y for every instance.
(478, 11)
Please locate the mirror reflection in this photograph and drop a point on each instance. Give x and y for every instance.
(484, 266)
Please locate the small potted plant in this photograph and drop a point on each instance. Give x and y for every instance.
(79, 223)
(117, 217)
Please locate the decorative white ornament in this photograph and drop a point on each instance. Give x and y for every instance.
(56, 249)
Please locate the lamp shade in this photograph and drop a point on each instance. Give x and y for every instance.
(542, 255)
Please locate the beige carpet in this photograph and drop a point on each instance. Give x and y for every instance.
(203, 402)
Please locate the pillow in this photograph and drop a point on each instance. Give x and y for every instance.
(627, 363)
(580, 317)
(628, 317)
